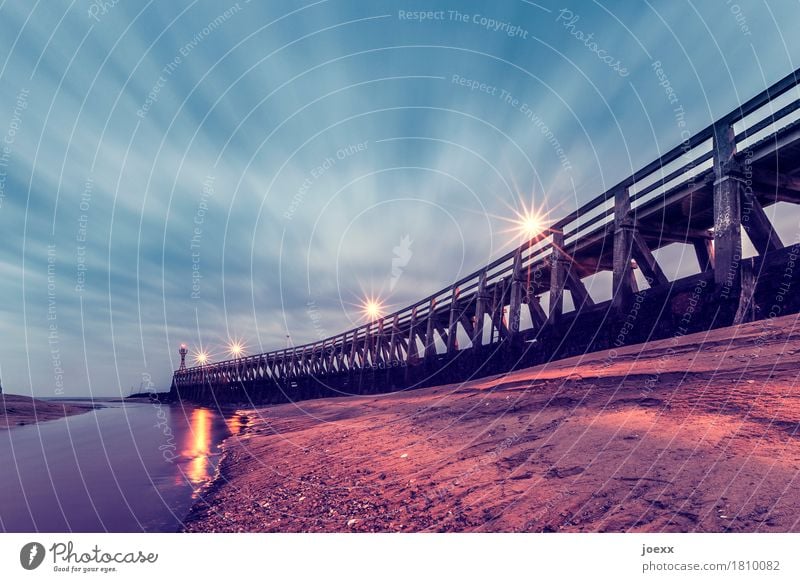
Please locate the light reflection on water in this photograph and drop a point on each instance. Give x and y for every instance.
(200, 447)
(237, 423)
(197, 447)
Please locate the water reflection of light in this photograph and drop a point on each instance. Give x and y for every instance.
(236, 423)
(198, 446)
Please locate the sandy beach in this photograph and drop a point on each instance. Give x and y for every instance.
(17, 410)
(693, 433)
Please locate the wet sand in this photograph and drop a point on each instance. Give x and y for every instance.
(17, 410)
(697, 433)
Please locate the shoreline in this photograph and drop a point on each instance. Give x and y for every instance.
(17, 410)
(222, 475)
(693, 433)
(224, 467)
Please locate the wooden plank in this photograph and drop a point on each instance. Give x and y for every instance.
(671, 235)
(777, 194)
(769, 146)
(776, 179)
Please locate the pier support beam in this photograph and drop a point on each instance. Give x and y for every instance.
(747, 309)
(353, 350)
(498, 311)
(647, 262)
(757, 225)
(413, 354)
(430, 342)
(394, 349)
(515, 301)
(580, 295)
(727, 212)
(704, 250)
(452, 325)
(624, 281)
(481, 301)
(558, 276)
(368, 356)
(538, 316)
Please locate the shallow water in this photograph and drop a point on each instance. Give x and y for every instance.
(123, 468)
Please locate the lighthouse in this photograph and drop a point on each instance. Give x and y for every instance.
(183, 351)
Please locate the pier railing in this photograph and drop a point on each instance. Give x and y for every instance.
(695, 194)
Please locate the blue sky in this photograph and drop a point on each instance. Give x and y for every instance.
(192, 171)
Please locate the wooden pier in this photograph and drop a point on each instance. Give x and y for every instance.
(704, 193)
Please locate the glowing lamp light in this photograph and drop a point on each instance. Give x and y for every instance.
(529, 225)
(372, 309)
(201, 358)
(236, 349)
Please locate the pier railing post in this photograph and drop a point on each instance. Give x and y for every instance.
(369, 355)
(624, 281)
(515, 301)
(727, 212)
(394, 350)
(452, 325)
(351, 364)
(430, 345)
(558, 275)
(481, 301)
(413, 354)
(378, 346)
